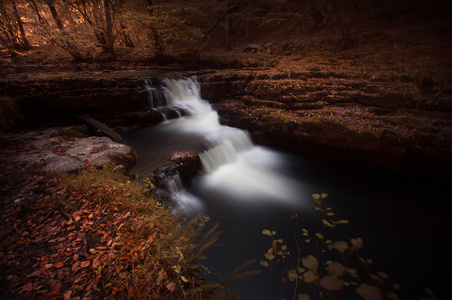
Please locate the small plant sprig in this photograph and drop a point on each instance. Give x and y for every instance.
(323, 268)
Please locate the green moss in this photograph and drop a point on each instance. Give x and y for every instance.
(73, 132)
(127, 161)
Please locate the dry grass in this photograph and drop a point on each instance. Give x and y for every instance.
(150, 253)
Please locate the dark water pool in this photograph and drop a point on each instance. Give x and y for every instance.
(403, 220)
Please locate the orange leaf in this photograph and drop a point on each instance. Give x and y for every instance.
(85, 263)
(75, 266)
(150, 238)
(27, 288)
(67, 295)
(96, 262)
(48, 266)
(58, 264)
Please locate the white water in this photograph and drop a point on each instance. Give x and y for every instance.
(232, 164)
(155, 97)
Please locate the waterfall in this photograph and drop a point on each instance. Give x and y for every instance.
(155, 97)
(231, 163)
(225, 142)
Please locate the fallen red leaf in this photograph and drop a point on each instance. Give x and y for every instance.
(27, 288)
(96, 262)
(85, 263)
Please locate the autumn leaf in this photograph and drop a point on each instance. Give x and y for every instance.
(331, 283)
(85, 263)
(340, 246)
(96, 262)
(309, 262)
(171, 286)
(369, 292)
(27, 288)
(58, 264)
(150, 238)
(75, 266)
(161, 277)
(309, 276)
(67, 294)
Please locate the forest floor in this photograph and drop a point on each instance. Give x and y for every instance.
(92, 234)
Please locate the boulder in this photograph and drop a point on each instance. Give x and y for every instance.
(55, 153)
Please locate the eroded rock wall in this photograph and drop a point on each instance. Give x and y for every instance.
(393, 124)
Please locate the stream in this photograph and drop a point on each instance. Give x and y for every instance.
(247, 188)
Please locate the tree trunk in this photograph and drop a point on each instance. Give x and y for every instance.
(315, 14)
(125, 37)
(53, 11)
(109, 38)
(159, 50)
(64, 43)
(227, 27)
(22, 38)
(346, 25)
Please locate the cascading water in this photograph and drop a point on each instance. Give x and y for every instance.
(231, 162)
(155, 97)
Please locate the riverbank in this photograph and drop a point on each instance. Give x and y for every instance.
(74, 225)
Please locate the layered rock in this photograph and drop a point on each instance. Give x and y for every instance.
(390, 124)
(60, 101)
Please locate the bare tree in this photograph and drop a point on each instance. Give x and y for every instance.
(100, 16)
(62, 40)
(12, 33)
(159, 49)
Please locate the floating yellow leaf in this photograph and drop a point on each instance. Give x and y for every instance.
(341, 222)
(309, 262)
(353, 272)
(326, 223)
(331, 283)
(267, 232)
(269, 256)
(292, 275)
(309, 276)
(303, 297)
(336, 269)
(369, 292)
(317, 198)
(357, 243)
